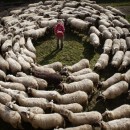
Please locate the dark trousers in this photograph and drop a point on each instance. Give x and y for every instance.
(60, 42)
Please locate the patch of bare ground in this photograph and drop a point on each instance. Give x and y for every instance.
(124, 9)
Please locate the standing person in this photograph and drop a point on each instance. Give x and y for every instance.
(59, 30)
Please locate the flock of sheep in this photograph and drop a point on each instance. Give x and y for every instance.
(25, 92)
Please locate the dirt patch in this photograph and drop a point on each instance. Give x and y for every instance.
(124, 9)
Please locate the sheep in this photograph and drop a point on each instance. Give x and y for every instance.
(118, 124)
(119, 29)
(126, 60)
(44, 121)
(4, 65)
(102, 28)
(81, 127)
(117, 23)
(93, 29)
(117, 59)
(2, 75)
(123, 45)
(49, 95)
(30, 46)
(4, 98)
(10, 116)
(126, 76)
(14, 86)
(107, 46)
(26, 81)
(26, 67)
(82, 118)
(57, 66)
(94, 40)
(82, 71)
(102, 62)
(126, 32)
(110, 81)
(31, 102)
(11, 53)
(114, 32)
(115, 46)
(115, 90)
(75, 97)
(84, 63)
(128, 42)
(120, 112)
(22, 39)
(14, 66)
(16, 46)
(92, 76)
(106, 34)
(74, 107)
(85, 85)
(104, 22)
(124, 21)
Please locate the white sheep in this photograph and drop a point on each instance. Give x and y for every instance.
(123, 45)
(4, 98)
(128, 42)
(115, 46)
(126, 76)
(107, 46)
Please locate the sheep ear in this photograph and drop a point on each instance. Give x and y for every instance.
(107, 109)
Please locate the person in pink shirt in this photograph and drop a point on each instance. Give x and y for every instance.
(59, 30)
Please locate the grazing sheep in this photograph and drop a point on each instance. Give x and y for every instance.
(57, 66)
(75, 97)
(123, 45)
(11, 85)
(85, 85)
(102, 28)
(104, 22)
(128, 42)
(115, 46)
(107, 46)
(44, 121)
(126, 76)
(11, 53)
(16, 46)
(26, 81)
(2, 75)
(102, 62)
(49, 95)
(14, 66)
(120, 112)
(82, 118)
(106, 34)
(115, 90)
(4, 98)
(94, 40)
(117, 23)
(81, 127)
(31, 102)
(119, 29)
(110, 81)
(92, 76)
(93, 29)
(30, 46)
(74, 107)
(118, 124)
(117, 59)
(126, 60)
(84, 63)
(10, 116)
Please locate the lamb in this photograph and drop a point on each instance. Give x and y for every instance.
(115, 46)
(49, 95)
(84, 63)
(26, 81)
(107, 46)
(126, 76)
(57, 66)
(85, 85)
(30, 46)
(126, 60)
(120, 112)
(31, 102)
(77, 119)
(81, 127)
(14, 66)
(75, 97)
(94, 40)
(122, 124)
(12, 85)
(123, 45)
(9, 116)
(4, 98)
(44, 121)
(111, 81)
(74, 107)
(117, 59)
(115, 90)
(92, 76)
(102, 62)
